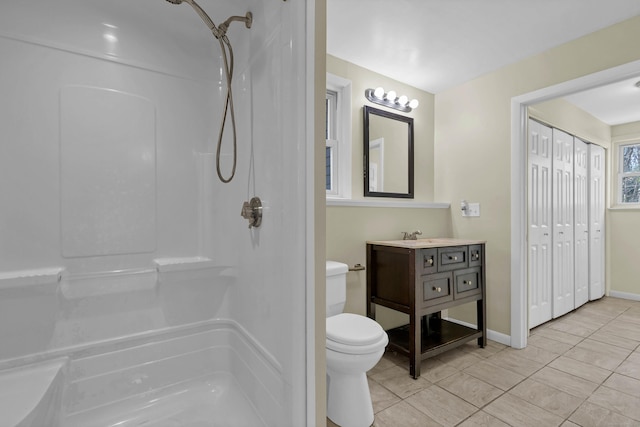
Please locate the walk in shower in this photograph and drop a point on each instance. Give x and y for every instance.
(132, 291)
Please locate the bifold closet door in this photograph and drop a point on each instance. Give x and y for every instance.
(581, 222)
(562, 235)
(539, 227)
(596, 221)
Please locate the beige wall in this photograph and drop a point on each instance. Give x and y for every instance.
(623, 266)
(348, 228)
(565, 116)
(473, 138)
(362, 79)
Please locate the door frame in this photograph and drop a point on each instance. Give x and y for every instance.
(519, 104)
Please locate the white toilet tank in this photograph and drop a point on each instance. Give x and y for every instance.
(336, 287)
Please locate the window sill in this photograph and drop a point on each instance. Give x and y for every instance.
(634, 207)
(377, 203)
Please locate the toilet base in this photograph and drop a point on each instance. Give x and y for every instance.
(349, 400)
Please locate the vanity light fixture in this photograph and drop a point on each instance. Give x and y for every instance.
(391, 99)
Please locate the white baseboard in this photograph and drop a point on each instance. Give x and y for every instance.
(624, 295)
(491, 334)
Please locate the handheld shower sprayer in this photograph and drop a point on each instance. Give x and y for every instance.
(220, 33)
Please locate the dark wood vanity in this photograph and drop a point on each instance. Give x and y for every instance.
(421, 278)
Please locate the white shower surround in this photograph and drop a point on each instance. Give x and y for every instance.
(138, 241)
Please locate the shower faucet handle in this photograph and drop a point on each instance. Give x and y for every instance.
(252, 211)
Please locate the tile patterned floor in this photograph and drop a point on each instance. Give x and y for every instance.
(579, 370)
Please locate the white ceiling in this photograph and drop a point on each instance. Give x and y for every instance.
(438, 44)
(614, 104)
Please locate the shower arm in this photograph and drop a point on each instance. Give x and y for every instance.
(222, 28)
(217, 31)
(221, 31)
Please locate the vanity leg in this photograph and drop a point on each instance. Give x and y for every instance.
(415, 345)
(424, 322)
(482, 322)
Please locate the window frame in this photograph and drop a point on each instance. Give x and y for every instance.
(340, 145)
(621, 174)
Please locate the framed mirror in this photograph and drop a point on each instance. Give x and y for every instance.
(388, 154)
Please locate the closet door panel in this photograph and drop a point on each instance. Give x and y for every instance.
(563, 242)
(540, 225)
(581, 222)
(596, 221)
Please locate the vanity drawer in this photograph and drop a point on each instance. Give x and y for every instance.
(437, 288)
(475, 255)
(468, 282)
(428, 263)
(452, 258)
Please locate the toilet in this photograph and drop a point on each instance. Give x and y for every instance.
(354, 345)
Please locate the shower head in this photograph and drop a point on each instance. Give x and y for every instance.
(175, 1)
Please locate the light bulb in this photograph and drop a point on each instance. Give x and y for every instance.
(379, 92)
(414, 103)
(403, 100)
(391, 96)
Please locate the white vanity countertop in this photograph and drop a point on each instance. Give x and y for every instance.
(426, 243)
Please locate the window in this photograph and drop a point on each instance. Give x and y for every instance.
(331, 136)
(338, 137)
(629, 174)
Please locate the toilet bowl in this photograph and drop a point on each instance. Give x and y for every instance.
(354, 345)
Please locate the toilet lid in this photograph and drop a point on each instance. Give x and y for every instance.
(353, 329)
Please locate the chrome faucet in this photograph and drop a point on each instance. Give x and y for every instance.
(411, 236)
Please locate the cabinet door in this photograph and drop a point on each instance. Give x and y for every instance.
(562, 207)
(540, 225)
(596, 221)
(468, 282)
(437, 289)
(581, 222)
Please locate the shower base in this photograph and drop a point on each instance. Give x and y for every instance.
(215, 401)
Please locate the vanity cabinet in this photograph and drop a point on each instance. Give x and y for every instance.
(421, 278)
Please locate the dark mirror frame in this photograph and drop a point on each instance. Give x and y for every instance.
(409, 121)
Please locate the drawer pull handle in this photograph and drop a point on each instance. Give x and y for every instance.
(438, 289)
(467, 282)
(455, 258)
(430, 261)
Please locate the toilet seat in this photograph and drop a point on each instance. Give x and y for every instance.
(354, 334)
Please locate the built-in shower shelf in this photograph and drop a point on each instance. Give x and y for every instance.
(37, 276)
(197, 265)
(165, 265)
(76, 285)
